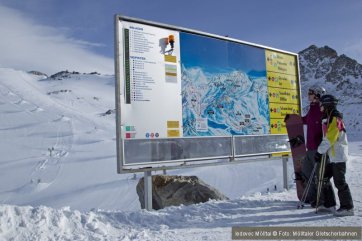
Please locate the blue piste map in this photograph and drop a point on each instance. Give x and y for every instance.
(224, 88)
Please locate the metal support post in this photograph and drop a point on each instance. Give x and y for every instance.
(148, 190)
(285, 172)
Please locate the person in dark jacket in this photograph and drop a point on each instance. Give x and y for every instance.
(335, 145)
(313, 121)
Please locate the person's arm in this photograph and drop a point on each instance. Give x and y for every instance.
(330, 137)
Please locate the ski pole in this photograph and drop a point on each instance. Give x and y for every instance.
(320, 180)
(306, 190)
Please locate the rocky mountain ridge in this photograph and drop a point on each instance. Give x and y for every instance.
(325, 66)
(338, 74)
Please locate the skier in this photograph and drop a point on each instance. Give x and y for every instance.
(313, 120)
(335, 145)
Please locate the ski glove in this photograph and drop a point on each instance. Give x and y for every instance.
(318, 157)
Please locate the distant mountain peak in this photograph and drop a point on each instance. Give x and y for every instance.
(35, 72)
(65, 74)
(314, 53)
(339, 74)
(325, 65)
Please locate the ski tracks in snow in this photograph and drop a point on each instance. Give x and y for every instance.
(46, 132)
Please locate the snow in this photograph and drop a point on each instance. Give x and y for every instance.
(58, 177)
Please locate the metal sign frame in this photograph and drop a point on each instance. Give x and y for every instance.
(234, 153)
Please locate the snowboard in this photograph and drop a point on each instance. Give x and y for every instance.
(294, 125)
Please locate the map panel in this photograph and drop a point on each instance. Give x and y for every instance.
(224, 87)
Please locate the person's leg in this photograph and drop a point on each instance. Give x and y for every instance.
(329, 199)
(344, 193)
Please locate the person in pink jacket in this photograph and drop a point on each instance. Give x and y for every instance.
(313, 121)
(335, 145)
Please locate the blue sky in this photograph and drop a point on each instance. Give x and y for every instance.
(52, 35)
(214, 55)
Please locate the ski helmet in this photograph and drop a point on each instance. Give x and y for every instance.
(328, 101)
(317, 90)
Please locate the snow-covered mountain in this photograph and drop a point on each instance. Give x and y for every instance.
(58, 177)
(340, 75)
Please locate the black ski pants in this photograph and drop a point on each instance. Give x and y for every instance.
(338, 172)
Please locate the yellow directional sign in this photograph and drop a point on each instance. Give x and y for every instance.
(280, 110)
(280, 63)
(283, 88)
(284, 96)
(277, 126)
(284, 81)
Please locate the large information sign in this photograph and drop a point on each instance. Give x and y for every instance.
(184, 95)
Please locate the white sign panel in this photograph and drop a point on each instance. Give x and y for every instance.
(152, 82)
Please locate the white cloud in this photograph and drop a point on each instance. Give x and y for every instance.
(26, 45)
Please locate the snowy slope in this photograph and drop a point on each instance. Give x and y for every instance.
(67, 113)
(58, 156)
(36, 118)
(210, 221)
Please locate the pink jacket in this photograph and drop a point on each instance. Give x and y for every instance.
(313, 120)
